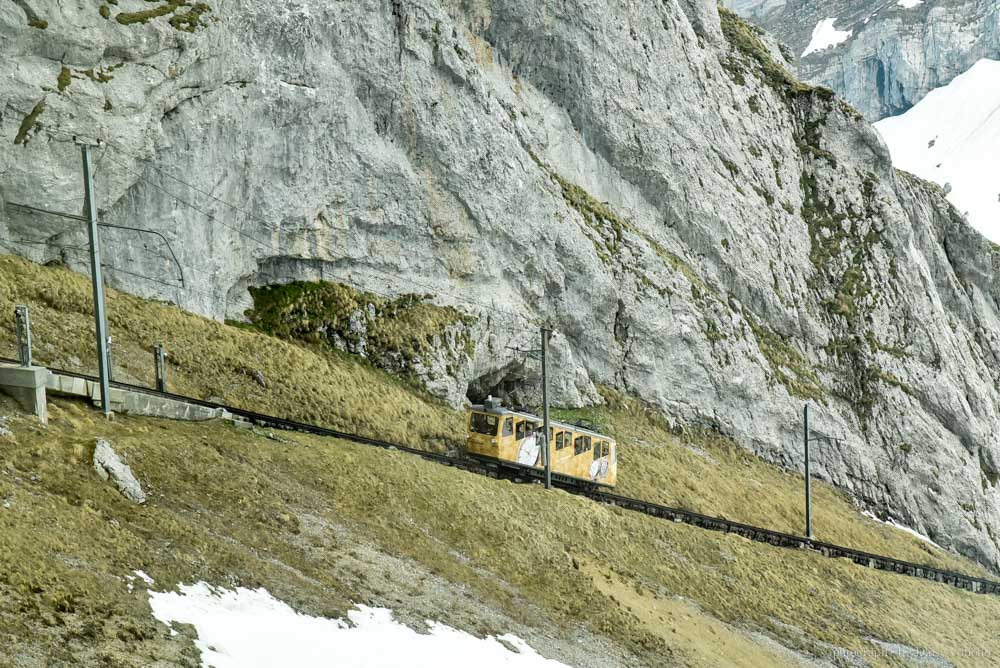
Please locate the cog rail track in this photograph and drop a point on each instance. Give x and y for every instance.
(513, 470)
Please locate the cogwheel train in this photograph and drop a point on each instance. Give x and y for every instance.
(498, 433)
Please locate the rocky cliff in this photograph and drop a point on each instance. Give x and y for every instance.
(702, 230)
(897, 52)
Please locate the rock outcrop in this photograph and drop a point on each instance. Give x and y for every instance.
(897, 52)
(702, 230)
(109, 466)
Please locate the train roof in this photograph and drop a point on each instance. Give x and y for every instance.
(480, 408)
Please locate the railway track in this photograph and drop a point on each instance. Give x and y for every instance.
(513, 470)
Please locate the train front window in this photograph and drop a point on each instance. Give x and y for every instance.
(482, 423)
(599, 449)
(519, 430)
(508, 427)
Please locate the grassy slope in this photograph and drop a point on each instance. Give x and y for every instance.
(462, 527)
(67, 539)
(709, 473)
(206, 359)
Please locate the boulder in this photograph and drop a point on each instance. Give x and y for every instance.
(109, 466)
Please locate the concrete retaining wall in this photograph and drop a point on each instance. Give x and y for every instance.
(135, 403)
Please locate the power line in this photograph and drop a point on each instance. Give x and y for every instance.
(267, 245)
(83, 253)
(488, 308)
(114, 145)
(45, 243)
(246, 213)
(139, 230)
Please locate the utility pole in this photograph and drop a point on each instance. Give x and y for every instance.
(805, 419)
(160, 364)
(23, 322)
(546, 444)
(100, 317)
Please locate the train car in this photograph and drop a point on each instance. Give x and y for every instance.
(514, 436)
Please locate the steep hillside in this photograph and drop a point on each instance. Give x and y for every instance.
(703, 231)
(324, 525)
(693, 468)
(891, 52)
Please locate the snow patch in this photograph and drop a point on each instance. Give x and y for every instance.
(145, 578)
(826, 35)
(249, 628)
(908, 530)
(952, 137)
(909, 4)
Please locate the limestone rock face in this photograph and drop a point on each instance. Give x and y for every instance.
(898, 51)
(110, 467)
(701, 230)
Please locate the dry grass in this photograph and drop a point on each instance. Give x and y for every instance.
(700, 471)
(208, 358)
(710, 474)
(68, 539)
(233, 508)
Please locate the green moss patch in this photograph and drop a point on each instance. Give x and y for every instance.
(605, 228)
(102, 75)
(609, 232)
(393, 334)
(190, 20)
(64, 79)
(28, 123)
(146, 15)
(895, 350)
(752, 55)
(788, 365)
(308, 382)
(187, 21)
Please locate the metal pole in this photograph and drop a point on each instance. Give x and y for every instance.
(805, 418)
(110, 347)
(23, 320)
(100, 317)
(546, 442)
(160, 362)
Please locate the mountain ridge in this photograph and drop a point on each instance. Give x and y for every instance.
(898, 51)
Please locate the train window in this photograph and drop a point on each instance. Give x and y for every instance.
(508, 427)
(599, 449)
(605, 448)
(582, 444)
(483, 424)
(519, 430)
(561, 440)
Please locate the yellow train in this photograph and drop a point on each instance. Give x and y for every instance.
(499, 433)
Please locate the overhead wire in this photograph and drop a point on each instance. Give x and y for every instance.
(492, 308)
(165, 243)
(48, 244)
(117, 147)
(105, 144)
